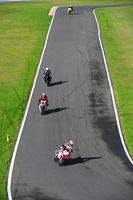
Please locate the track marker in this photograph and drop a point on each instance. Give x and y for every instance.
(52, 11)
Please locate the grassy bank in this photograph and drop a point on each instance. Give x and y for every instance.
(87, 2)
(22, 32)
(116, 26)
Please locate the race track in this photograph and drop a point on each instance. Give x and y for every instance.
(80, 109)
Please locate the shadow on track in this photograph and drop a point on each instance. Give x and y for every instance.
(54, 110)
(58, 83)
(78, 160)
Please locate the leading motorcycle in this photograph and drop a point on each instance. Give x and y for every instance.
(70, 9)
(61, 156)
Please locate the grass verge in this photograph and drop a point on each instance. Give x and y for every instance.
(116, 25)
(22, 32)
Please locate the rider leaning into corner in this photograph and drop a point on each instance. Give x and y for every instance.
(47, 71)
(44, 98)
(68, 147)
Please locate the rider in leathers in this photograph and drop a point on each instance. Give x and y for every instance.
(47, 71)
(43, 97)
(68, 147)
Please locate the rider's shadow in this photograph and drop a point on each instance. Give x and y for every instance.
(79, 160)
(54, 110)
(57, 83)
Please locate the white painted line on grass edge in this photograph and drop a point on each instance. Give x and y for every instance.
(112, 94)
(25, 115)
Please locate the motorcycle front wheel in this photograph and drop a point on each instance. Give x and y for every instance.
(43, 110)
(47, 83)
(61, 161)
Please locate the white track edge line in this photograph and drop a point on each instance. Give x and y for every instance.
(25, 115)
(112, 94)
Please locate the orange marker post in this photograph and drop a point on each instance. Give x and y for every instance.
(8, 138)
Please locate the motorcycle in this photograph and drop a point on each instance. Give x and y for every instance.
(47, 78)
(43, 106)
(70, 9)
(61, 156)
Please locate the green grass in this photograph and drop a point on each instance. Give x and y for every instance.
(116, 26)
(87, 2)
(22, 32)
(23, 29)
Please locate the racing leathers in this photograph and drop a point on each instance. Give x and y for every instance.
(44, 98)
(66, 147)
(47, 72)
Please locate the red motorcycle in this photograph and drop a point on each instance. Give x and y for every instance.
(43, 106)
(61, 156)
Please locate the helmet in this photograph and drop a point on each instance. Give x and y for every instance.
(43, 94)
(47, 68)
(71, 142)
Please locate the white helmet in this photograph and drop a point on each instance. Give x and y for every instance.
(71, 142)
(43, 94)
(47, 68)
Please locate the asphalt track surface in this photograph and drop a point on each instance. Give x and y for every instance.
(80, 109)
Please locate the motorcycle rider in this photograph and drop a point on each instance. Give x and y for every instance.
(68, 147)
(71, 7)
(47, 71)
(43, 97)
